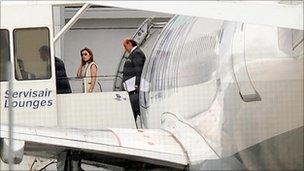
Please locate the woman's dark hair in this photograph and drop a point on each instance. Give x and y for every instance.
(91, 54)
(133, 42)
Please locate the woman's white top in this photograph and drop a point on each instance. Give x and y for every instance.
(86, 74)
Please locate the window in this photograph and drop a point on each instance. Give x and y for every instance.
(32, 53)
(4, 54)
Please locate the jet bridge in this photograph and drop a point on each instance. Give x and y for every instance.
(33, 98)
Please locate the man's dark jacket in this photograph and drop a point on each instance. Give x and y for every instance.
(62, 83)
(133, 67)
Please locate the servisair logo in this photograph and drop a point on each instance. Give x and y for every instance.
(28, 98)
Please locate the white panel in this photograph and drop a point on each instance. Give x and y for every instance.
(147, 140)
(26, 16)
(256, 12)
(95, 110)
(147, 145)
(40, 111)
(114, 13)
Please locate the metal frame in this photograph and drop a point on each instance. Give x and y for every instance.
(73, 20)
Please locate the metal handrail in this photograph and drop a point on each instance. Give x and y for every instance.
(79, 78)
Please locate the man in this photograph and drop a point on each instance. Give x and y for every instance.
(62, 83)
(25, 75)
(133, 67)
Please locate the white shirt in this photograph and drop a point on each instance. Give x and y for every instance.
(86, 73)
(133, 49)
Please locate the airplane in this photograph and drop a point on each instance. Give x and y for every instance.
(221, 89)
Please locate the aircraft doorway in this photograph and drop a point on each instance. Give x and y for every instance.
(104, 35)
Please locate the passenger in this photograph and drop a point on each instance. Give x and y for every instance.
(62, 82)
(88, 70)
(24, 74)
(132, 68)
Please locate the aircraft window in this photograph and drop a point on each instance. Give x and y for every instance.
(32, 53)
(4, 54)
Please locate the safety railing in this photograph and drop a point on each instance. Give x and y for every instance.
(104, 83)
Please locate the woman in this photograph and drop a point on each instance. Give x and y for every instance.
(88, 70)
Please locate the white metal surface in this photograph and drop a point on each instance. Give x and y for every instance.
(211, 104)
(194, 145)
(95, 110)
(148, 145)
(114, 13)
(269, 12)
(29, 17)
